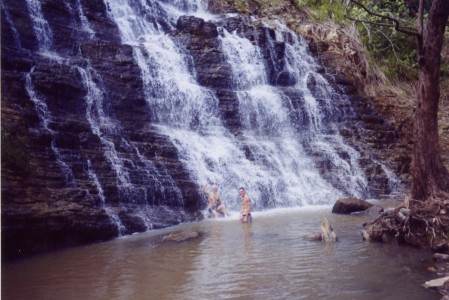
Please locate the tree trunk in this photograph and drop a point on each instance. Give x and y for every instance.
(429, 176)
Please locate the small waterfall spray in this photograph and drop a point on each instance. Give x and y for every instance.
(101, 125)
(45, 119)
(41, 28)
(109, 211)
(85, 25)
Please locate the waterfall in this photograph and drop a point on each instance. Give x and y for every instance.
(282, 141)
(136, 181)
(85, 25)
(271, 160)
(320, 108)
(293, 178)
(41, 28)
(113, 216)
(45, 119)
(101, 125)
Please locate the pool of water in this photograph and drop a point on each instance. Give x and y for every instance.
(268, 259)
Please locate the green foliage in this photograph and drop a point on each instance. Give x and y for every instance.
(13, 151)
(241, 5)
(324, 10)
(393, 51)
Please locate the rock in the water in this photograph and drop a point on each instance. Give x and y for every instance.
(350, 205)
(314, 237)
(327, 233)
(436, 283)
(180, 236)
(374, 210)
(441, 257)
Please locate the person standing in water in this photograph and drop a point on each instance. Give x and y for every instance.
(215, 207)
(245, 212)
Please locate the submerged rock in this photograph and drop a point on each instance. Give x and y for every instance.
(374, 210)
(179, 236)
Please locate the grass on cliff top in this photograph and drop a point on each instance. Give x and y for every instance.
(245, 6)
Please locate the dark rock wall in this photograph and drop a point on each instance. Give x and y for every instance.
(49, 197)
(59, 186)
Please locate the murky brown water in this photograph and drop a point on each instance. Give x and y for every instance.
(266, 260)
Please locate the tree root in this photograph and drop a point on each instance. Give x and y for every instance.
(416, 223)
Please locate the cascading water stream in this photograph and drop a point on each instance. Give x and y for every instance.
(278, 172)
(40, 26)
(109, 211)
(321, 135)
(45, 119)
(85, 25)
(320, 104)
(101, 125)
(269, 132)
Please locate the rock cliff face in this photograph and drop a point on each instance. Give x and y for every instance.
(82, 157)
(55, 197)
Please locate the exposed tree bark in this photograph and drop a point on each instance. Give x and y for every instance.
(423, 220)
(430, 179)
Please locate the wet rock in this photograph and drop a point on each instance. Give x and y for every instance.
(196, 26)
(374, 210)
(285, 78)
(180, 236)
(437, 283)
(327, 233)
(198, 216)
(350, 205)
(440, 257)
(314, 237)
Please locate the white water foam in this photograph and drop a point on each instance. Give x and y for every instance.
(44, 35)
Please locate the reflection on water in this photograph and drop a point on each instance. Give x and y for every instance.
(268, 259)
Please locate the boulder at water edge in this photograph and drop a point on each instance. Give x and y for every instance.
(350, 205)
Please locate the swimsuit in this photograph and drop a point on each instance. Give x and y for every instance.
(215, 206)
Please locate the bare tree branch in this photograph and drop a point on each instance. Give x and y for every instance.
(396, 25)
(420, 17)
(420, 23)
(368, 22)
(391, 43)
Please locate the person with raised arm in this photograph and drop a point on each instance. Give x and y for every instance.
(215, 206)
